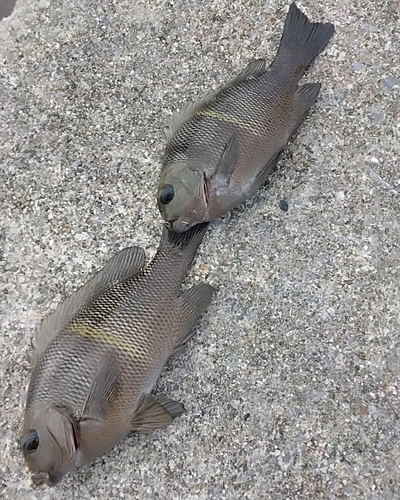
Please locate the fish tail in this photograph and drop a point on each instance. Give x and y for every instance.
(186, 242)
(302, 39)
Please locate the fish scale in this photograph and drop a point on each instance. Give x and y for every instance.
(92, 377)
(221, 149)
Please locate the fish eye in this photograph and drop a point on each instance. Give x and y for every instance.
(31, 443)
(167, 194)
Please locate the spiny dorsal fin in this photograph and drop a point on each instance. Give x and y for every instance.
(121, 266)
(254, 68)
(155, 412)
(179, 118)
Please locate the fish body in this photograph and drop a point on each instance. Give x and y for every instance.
(97, 357)
(221, 150)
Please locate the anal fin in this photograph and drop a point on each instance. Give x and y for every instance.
(305, 98)
(155, 412)
(194, 302)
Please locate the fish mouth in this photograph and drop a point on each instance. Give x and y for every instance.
(47, 478)
(179, 226)
(40, 478)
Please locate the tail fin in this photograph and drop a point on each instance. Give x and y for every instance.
(186, 242)
(303, 39)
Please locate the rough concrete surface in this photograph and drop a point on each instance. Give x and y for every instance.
(291, 383)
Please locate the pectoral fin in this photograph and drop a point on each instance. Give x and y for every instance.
(227, 161)
(262, 176)
(155, 412)
(121, 266)
(103, 390)
(194, 302)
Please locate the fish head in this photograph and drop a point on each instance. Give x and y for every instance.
(182, 197)
(49, 443)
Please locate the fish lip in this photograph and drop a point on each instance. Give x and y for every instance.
(179, 226)
(48, 478)
(40, 478)
(170, 223)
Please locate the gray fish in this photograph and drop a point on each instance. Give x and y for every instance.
(98, 355)
(221, 150)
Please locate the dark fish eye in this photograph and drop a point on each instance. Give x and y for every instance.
(167, 194)
(31, 443)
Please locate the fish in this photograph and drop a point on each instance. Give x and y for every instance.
(221, 149)
(97, 357)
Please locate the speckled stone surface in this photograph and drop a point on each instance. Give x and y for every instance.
(291, 384)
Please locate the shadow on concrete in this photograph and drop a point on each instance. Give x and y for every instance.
(6, 7)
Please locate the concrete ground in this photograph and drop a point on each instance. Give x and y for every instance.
(291, 384)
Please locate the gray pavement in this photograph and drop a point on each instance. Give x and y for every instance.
(291, 384)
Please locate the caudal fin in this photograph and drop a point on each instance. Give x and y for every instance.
(302, 39)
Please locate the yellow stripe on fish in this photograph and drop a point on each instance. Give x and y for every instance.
(106, 336)
(207, 113)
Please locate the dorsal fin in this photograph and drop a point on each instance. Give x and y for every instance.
(180, 117)
(121, 266)
(254, 68)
